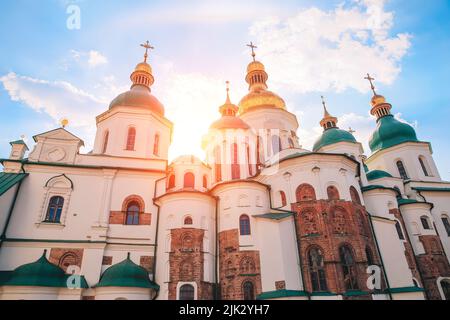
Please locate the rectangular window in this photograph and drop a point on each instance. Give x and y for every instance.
(446, 225)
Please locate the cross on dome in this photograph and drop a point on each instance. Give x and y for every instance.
(253, 47)
(371, 83)
(147, 46)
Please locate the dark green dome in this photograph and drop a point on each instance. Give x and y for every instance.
(331, 136)
(391, 132)
(41, 273)
(377, 174)
(126, 274)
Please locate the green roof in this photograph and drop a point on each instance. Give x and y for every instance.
(391, 132)
(375, 187)
(8, 180)
(126, 274)
(406, 201)
(405, 289)
(41, 273)
(281, 294)
(431, 189)
(274, 216)
(377, 174)
(353, 293)
(19, 142)
(333, 135)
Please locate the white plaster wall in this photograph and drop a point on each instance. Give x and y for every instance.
(5, 204)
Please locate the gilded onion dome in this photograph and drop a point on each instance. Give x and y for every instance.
(140, 93)
(229, 119)
(258, 95)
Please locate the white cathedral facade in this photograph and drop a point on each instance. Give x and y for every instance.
(260, 218)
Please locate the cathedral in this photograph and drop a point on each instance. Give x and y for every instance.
(260, 218)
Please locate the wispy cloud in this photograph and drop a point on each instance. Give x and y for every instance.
(319, 50)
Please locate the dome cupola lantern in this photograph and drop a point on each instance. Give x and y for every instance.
(142, 74)
(380, 108)
(328, 120)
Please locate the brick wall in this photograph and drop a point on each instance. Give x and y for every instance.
(64, 257)
(237, 267)
(186, 261)
(328, 225)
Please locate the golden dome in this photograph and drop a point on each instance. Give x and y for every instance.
(143, 67)
(261, 98)
(377, 100)
(255, 66)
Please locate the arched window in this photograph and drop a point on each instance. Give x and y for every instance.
(399, 230)
(132, 214)
(283, 200)
(235, 168)
(171, 181)
(305, 192)
(291, 143)
(189, 180)
(105, 142)
(187, 292)
(260, 150)
(244, 225)
(317, 270)
(188, 221)
(348, 268)
(354, 195)
(369, 256)
(67, 260)
(249, 290)
(276, 144)
(425, 222)
(205, 181)
(424, 168)
(333, 193)
(402, 170)
(249, 160)
(156, 145)
(131, 138)
(445, 285)
(55, 207)
(446, 223)
(218, 164)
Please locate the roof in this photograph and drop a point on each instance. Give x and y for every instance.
(140, 97)
(431, 189)
(9, 180)
(377, 174)
(281, 294)
(229, 122)
(375, 187)
(126, 274)
(391, 132)
(333, 135)
(274, 216)
(41, 273)
(406, 201)
(19, 142)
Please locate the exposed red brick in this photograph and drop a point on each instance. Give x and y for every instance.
(147, 263)
(64, 257)
(107, 260)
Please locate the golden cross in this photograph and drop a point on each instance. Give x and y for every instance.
(371, 83)
(351, 130)
(228, 90)
(146, 46)
(253, 47)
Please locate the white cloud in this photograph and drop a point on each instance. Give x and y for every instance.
(317, 50)
(96, 59)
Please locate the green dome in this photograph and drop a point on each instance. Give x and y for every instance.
(126, 274)
(331, 136)
(377, 174)
(391, 132)
(41, 273)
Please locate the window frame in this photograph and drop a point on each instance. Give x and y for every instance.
(244, 225)
(57, 207)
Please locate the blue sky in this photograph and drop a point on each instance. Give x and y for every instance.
(310, 48)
